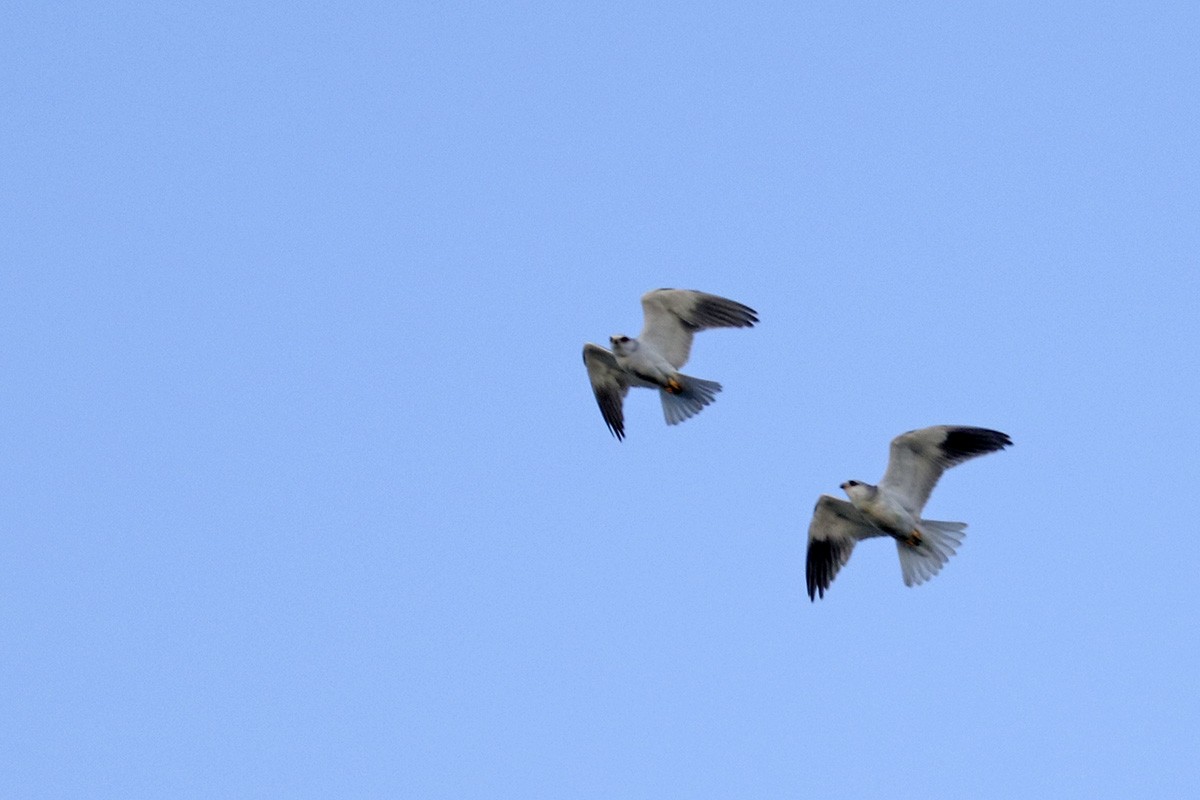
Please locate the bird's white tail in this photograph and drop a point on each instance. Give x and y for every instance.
(922, 560)
(695, 395)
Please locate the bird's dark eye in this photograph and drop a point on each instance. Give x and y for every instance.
(853, 483)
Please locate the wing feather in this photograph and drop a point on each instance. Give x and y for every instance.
(835, 528)
(672, 316)
(918, 458)
(610, 384)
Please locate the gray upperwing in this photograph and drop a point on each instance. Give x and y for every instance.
(672, 316)
(918, 458)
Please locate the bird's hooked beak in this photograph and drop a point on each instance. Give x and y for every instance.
(844, 485)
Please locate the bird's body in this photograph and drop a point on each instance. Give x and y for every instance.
(884, 510)
(893, 508)
(652, 359)
(643, 362)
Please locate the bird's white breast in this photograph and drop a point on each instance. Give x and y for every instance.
(648, 362)
(887, 512)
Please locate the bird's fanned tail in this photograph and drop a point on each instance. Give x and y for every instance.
(938, 541)
(692, 396)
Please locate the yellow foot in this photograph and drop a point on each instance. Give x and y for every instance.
(914, 539)
(674, 386)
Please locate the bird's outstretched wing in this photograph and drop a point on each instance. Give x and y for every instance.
(673, 315)
(610, 384)
(918, 458)
(835, 528)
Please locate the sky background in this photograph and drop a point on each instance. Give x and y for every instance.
(306, 494)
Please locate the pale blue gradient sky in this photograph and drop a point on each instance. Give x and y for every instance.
(306, 493)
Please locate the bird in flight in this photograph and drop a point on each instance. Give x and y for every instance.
(653, 359)
(893, 508)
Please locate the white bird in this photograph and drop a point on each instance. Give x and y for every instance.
(653, 359)
(893, 508)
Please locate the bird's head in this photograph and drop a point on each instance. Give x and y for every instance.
(857, 490)
(623, 345)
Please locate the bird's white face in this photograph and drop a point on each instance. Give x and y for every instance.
(623, 345)
(857, 490)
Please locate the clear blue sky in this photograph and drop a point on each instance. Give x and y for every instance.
(306, 493)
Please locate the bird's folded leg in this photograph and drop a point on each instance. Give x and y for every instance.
(914, 539)
(673, 386)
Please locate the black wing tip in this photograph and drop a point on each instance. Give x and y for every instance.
(616, 427)
(726, 313)
(717, 309)
(616, 424)
(611, 413)
(818, 568)
(965, 441)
